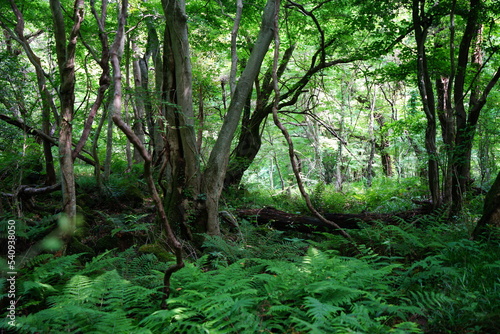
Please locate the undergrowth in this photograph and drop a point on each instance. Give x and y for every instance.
(405, 281)
(419, 276)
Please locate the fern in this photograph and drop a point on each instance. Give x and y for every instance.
(320, 312)
(102, 304)
(430, 300)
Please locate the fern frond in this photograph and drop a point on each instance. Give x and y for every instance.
(430, 300)
(319, 311)
(63, 266)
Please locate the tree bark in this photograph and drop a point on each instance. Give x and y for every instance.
(465, 125)
(428, 101)
(249, 141)
(491, 210)
(181, 167)
(104, 80)
(214, 174)
(140, 96)
(66, 61)
(385, 157)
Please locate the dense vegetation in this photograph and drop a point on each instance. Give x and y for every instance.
(140, 140)
(422, 276)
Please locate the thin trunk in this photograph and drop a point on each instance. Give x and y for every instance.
(369, 169)
(339, 178)
(428, 101)
(109, 143)
(66, 62)
(126, 104)
(95, 152)
(47, 102)
(385, 157)
(234, 54)
(139, 102)
(446, 120)
(284, 131)
(153, 109)
(464, 122)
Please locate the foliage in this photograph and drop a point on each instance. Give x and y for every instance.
(415, 276)
(407, 279)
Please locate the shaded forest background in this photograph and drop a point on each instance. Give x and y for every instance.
(236, 167)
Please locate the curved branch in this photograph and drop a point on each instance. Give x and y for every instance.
(291, 150)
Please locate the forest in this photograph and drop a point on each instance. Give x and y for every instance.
(259, 166)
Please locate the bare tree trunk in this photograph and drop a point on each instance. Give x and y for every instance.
(385, 157)
(181, 167)
(234, 54)
(213, 176)
(427, 96)
(127, 103)
(446, 120)
(66, 62)
(95, 152)
(369, 169)
(139, 103)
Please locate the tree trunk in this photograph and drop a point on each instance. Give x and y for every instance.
(139, 99)
(109, 143)
(181, 167)
(213, 176)
(47, 102)
(446, 120)
(383, 146)
(491, 210)
(95, 152)
(428, 101)
(249, 141)
(116, 52)
(465, 123)
(66, 62)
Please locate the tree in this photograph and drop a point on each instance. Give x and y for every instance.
(459, 93)
(213, 177)
(47, 104)
(335, 46)
(491, 210)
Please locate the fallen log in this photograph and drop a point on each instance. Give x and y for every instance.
(285, 221)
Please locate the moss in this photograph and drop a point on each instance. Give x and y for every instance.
(76, 247)
(82, 231)
(157, 250)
